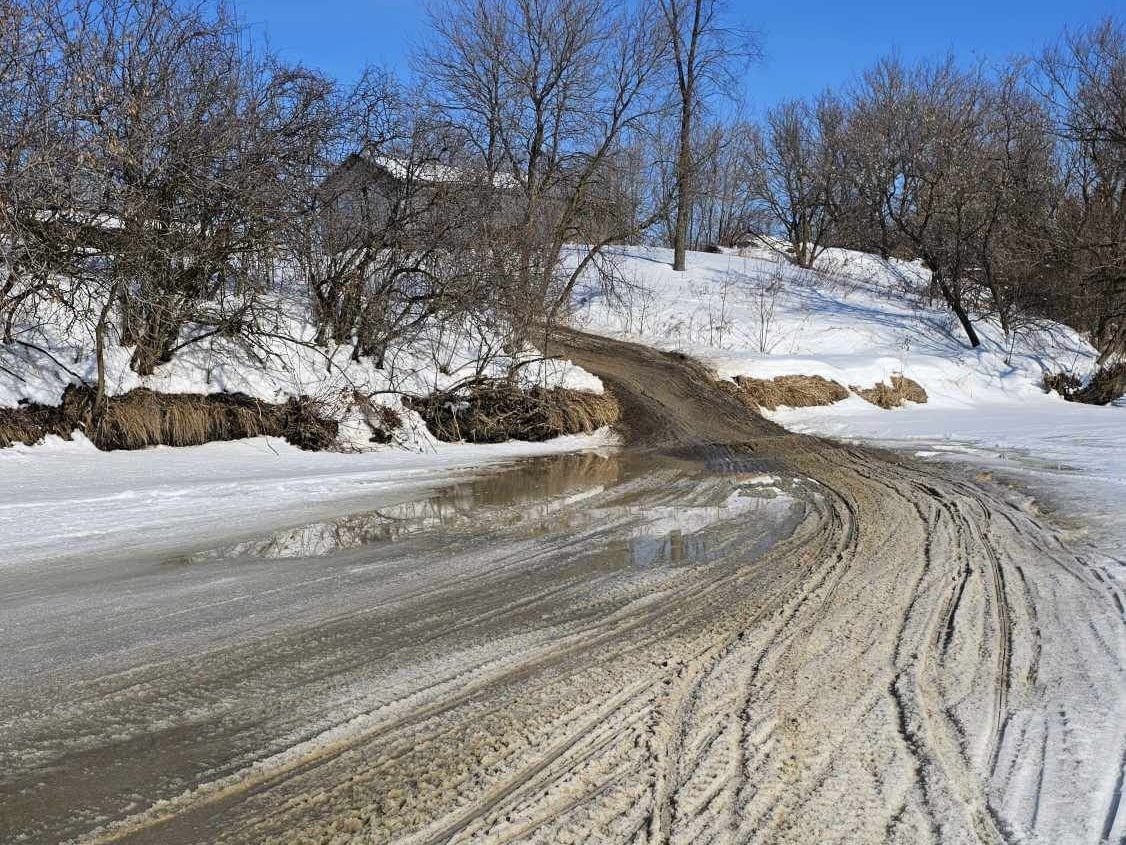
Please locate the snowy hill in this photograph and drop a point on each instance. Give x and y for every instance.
(856, 320)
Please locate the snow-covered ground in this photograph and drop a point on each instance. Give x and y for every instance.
(1071, 456)
(67, 500)
(858, 321)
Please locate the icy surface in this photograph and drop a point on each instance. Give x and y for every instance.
(1073, 456)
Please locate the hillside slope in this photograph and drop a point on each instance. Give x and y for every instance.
(857, 320)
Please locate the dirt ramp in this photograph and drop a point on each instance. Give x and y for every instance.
(666, 399)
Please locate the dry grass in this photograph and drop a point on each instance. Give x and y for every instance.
(789, 391)
(494, 411)
(143, 418)
(901, 389)
(31, 423)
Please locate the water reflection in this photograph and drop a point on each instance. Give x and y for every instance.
(676, 534)
(643, 509)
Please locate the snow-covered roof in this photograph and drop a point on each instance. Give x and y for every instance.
(402, 168)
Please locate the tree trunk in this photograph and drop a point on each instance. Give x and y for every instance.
(956, 306)
(100, 397)
(683, 187)
(1001, 306)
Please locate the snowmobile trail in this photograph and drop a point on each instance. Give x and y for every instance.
(876, 651)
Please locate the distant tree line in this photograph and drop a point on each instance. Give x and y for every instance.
(1008, 184)
(166, 179)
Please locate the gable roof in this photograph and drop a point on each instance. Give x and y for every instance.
(402, 168)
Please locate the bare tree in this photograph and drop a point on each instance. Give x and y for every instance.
(395, 243)
(1021, 186)
(554, 92)
(797, 173)
(872, 139)
(705, 51)
(1082, 81)
(723, 208)
(35, 245)
(189, 135)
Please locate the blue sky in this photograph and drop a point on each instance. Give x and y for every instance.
(808, 45)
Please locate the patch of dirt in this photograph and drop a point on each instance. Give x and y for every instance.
(901, 389)
(667, 400)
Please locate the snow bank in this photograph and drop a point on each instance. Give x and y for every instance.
(856, 321)
(273, 366)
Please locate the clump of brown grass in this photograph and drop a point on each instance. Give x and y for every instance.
(901, 389)
(143, 417)
(30, 423)
(304, 425)
(1105, 386)
(492, 411)
(789, 391)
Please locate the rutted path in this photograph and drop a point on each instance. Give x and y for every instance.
(914, 658)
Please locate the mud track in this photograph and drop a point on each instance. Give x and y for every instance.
(918, 659)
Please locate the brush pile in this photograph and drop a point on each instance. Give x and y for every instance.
(495, 410)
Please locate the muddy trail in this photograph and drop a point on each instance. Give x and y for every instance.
(723, 633)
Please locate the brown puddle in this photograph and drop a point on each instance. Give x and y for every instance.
(641, 508)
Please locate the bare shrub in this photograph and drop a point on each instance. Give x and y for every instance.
(1065, 384)
(763, 292)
